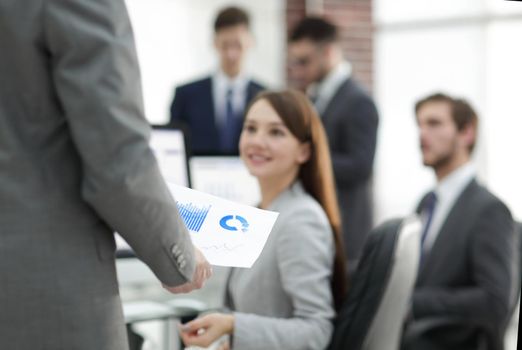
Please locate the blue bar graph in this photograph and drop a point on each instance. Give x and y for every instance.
(192, 215)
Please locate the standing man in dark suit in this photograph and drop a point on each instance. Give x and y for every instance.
(468, 242)
(75, 165)
(350, 120)
(213, 107)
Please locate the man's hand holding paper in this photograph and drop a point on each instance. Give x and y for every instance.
(202, 273)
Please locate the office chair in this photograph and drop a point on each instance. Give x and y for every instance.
(485, 337)
(371, 318)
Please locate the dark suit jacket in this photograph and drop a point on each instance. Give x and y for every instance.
(350, 120)
(469, 272)
(193, 105)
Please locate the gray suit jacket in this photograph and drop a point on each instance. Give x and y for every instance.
(350, 121)
(74, 166)
(469, 272)
(284, 301)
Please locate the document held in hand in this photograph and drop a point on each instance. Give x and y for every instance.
(227, 233)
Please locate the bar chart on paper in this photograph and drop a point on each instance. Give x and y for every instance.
(192, 215)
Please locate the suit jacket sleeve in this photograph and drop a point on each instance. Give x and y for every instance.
(305, 258)
(355, 163)
(96, 78)
(491, 253)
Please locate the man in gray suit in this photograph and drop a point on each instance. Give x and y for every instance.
(350, 119)
(467, 264)
(74, 166)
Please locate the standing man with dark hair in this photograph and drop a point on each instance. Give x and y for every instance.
(213, 107)
(75, 165)
(350, 120)
(468, 250)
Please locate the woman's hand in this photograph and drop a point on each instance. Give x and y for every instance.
(205, 330)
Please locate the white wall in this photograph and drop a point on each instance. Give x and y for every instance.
(504, 111)
(174, 43)
(469, 48)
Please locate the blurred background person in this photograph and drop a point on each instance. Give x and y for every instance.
(469, 251)
(76, 165)
(299, 278)
(349, 117)
(213, 107)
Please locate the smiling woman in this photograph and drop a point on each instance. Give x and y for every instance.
(270, 151)
(299, 277)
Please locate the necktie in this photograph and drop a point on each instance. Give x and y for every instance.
(428, 210)
(228, 129)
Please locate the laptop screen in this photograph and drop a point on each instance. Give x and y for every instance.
(168, 145)
(226, 177)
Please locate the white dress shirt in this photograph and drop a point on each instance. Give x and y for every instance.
(221, 83)
(325, 90)
(447, 192)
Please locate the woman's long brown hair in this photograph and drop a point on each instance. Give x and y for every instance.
(316, 175)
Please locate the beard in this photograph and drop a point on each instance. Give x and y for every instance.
(444, 159)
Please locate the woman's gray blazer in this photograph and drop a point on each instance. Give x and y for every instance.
(285, 301)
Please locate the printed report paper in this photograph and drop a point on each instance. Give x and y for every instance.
(227, 233)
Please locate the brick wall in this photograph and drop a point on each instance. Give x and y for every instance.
(354, 20)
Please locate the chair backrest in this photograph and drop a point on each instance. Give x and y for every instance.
(515, 310)
(373, 313)
(512, 325)
(517, 271)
